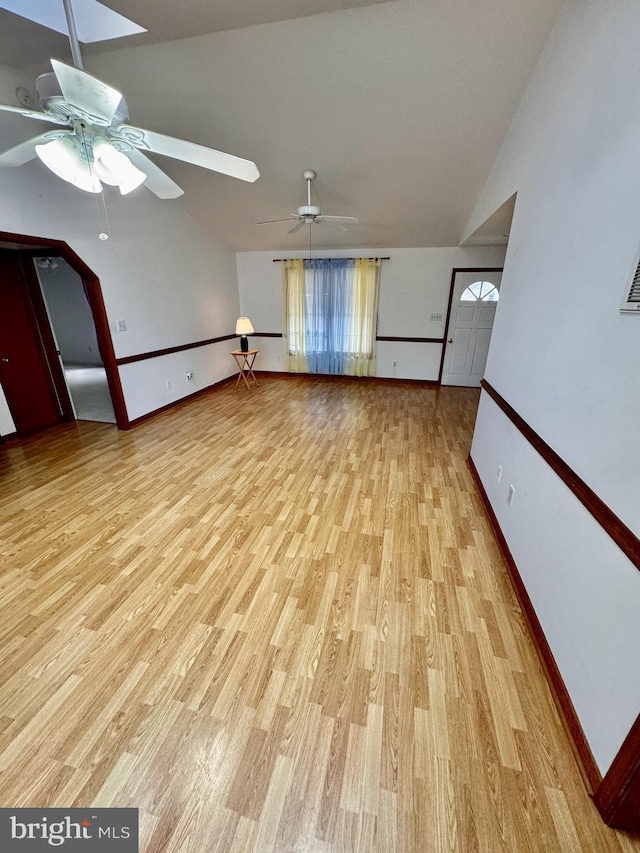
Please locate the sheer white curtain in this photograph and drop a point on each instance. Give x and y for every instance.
(331, 310)
(363, 318)
(295, 349)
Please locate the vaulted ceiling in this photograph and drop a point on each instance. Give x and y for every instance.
(400, 107)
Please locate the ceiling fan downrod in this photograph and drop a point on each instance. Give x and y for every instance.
(309, 211)
(73, 35)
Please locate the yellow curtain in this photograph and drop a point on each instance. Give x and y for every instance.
(363, 318)
(294, 320)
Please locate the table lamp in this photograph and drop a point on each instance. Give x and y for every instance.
(244, 328)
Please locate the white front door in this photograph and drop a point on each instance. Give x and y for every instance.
(473, 307)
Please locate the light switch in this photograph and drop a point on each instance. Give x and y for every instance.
(121, 325)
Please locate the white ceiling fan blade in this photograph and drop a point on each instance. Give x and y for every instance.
(190, 152)
(31, 114)
(272, 221)
(336, 226)
(351, 219)
(87, 93)
(25, 151)
(157, 181)
(297, 227)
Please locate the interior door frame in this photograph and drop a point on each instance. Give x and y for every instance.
(46, 336)
(454, 271)
(44, 402)
(31, 247)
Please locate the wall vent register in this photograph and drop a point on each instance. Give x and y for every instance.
(631, 302)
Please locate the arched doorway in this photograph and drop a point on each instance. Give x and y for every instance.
(19, 252)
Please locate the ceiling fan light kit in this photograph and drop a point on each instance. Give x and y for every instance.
(113, 167)
(64, 158)
(87, 164)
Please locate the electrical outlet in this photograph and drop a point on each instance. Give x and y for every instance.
(499, 473)
(510, 495)
(189, 375)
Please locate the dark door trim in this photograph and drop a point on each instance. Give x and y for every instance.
(28, 378)
(46, 336)
(29, 246)
(448, 317)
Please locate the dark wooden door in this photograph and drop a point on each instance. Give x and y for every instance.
(24, 370)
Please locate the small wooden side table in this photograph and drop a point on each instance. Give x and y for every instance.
(245, 360)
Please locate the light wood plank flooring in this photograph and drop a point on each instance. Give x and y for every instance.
(277, 621)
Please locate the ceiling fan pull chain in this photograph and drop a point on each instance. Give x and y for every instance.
(105, 225)
(103, 222)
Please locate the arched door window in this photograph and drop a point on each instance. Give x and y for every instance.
(480, 291)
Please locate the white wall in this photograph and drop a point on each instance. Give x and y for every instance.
(158, 271)
(145, 382)
(69, 313)
(414, 284)
(566, 359)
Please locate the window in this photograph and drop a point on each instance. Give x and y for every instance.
(480, 291)
(332, 306)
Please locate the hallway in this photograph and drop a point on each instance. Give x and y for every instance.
(89, 392)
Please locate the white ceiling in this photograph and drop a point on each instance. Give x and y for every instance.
(400, 106)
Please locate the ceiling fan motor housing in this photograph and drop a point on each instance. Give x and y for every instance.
(309, 210)
(47, 87)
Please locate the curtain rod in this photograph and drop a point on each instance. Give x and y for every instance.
(282, 260)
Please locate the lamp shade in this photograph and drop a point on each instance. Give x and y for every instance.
(244, 326)
(114, 168)
(86, 165)
(64, 158)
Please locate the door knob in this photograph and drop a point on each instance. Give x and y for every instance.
(450, 340)
(6, 360)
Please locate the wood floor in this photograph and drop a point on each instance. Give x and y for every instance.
(277, 620)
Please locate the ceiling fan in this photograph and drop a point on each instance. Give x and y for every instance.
(309, 214)
(97, 144)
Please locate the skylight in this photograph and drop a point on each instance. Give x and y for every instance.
(94, 21)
